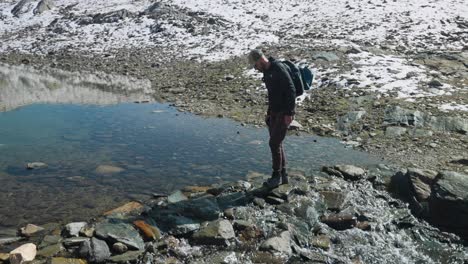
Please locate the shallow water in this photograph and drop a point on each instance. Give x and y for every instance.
(75, 122)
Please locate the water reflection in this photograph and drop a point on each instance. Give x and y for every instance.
(22, 85)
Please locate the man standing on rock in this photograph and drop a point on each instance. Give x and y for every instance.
(281, 105)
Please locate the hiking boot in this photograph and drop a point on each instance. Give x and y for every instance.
(274, 181)
(284, 176)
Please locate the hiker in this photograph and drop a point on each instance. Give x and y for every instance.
(280, 114)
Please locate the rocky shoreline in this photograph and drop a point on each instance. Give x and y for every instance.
(340, 215)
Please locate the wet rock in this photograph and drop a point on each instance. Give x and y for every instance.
(218, 232)
(30, 230)
(274, 200)
(50, 240)
(149, 232)
(87, 231)
(448, 203)
(120, 232)
(36, 165)
(20, 8)
(95, 250)
(333, 200)
(421, 182)
(394, 132)
(126, 257)
(281, 244)
(353, 50)
(119, 248)
(232, 200)
(183, 225)
(108, 169)
(43, 6)
(435, 83)
(259, 202)
(364, 225)
(421, 133)
(282, 191)
(229, 213)
(126, 209)
(295, 125)
(67, 261)
(242, 225)
(339, 221)
(176, 197)
(26, 252)
(73, 229)
(51, 250)
(4, 257)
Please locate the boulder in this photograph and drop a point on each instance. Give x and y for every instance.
(30, 230)
(26, 252)
(281, 244)
(43, 6)
(73, 229)
(95, 250)
(333, 200)
(448, 203)
(120, 232)
(119, 248)
(345, 122)
(395, 115)
(394, 132)
(348, 172)
(149, 232)
(449, 123)
(421, 182)
(218, 232)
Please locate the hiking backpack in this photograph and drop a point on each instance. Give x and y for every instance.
(302, 77)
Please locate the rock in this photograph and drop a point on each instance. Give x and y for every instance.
(229, 77)
(345, 122)
(127, 257)
(455, 124)
(74, 241)
(395, 115)
(19, 8)
(218, 232)
(120, 232)
(435, 83)
(108, 169)
(421, 182)
(281, 244)
(274, 200)
(333, 200)
(282, 191)
(364, 225)
(30, 230)
(126, 209)
(36, 165)
(149, 232)
(242, 224)
(326, 56)
(87, 231)
(67, 261)
(339, 221)
(176, 197)
(4, 257)
(119, 248)
(9, 240)
(43, 6)
(295, 125)
(448, 204)
(73, 229)
(95, 250)
(50, 240)
(321, 241)
(259, 202)
(229, 213)
(460, 160)
(353, 50)
(26, 252)
(348, 172)
(51, 250)
(184, 225)
(421, 133)
(393, 132)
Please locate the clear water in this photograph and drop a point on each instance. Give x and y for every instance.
(159, 148)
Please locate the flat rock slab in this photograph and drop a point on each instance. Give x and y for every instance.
(215, 233)
(120, 232)
(126, 257)
(68, 261)
(128, 208)
(30, 230)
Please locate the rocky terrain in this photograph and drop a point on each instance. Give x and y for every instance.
(390, 78)
(341, 216)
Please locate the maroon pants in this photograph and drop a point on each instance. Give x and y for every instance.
(277, 127)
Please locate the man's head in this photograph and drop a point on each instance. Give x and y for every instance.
(257, 60)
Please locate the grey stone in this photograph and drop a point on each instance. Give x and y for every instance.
(327, 56)
(421, 182)
(346, 121)
(393, 132)
(30, 230)
(242, 224)
(120, 232)
(454, 124)
(119, 248)
(395, 115)
(43, 6)
(36, 165)
(281, 244)
(418, 133)
(435, 83)
(129, 256)
(351, 172)
(333, 200)
(49, 240)
(74, 241)
(176, 197)
(20, 8)
(73, 229)
(274, 200)
(9, 240)
(51, 250)
(259, 202)
(218, 232)
(184, 225)
(448, 204)
(295, 125)
(232, 200)
(95, 250)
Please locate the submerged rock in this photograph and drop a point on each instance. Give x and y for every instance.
(128, 208)
(36, 165)
(108, 169)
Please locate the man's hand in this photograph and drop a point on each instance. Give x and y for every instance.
(288, 119)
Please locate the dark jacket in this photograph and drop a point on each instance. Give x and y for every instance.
(281, 90)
